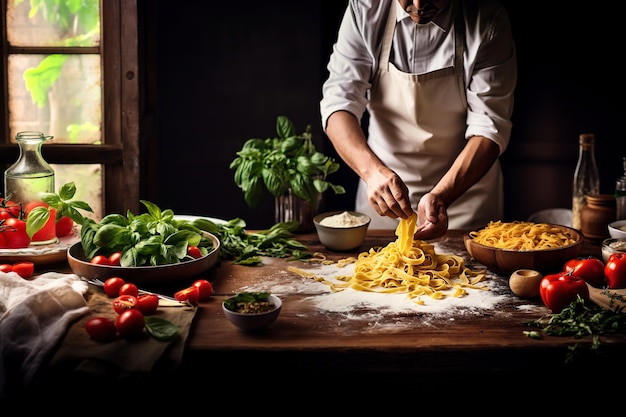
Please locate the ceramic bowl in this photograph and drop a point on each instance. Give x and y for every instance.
(617, 228)
(254, 322)
(147, 276)
(506, 261)
(345, 233)
(613, 245)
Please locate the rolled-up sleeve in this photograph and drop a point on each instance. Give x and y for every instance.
(491, 78)
(350, 67)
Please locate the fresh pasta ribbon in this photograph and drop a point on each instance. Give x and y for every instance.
(407, 266)
(522, 236)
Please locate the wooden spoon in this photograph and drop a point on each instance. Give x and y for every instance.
(609, 299)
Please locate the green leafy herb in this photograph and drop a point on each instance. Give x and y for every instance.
(289, 161)
(245, 297)
(152, 238)
(247, 248)
(63, 203)
(579, 320)
(160, 328)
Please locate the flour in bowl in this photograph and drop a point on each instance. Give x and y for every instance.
(344, 219)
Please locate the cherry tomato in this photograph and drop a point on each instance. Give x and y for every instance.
(123, 303)
(99, 260)
(561, 289)
(64, 226)
(115, 258)
(10, 207)
(189, 294)
(147, 304)
(112, 286)
(205, 289)
(5, 215)
(130, 323)
(194, 251)
(615, 271)
(590, 269)
(101, 329)
(15, 234)
(24, 269)
(3, 241)
(129, 289)
(6, 267)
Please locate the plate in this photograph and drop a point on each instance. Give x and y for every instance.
(148, 276)
(41, 254)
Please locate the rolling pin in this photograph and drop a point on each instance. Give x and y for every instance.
(609, 299)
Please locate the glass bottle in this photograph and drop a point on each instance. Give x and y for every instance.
(620, 194)
(30, 174)
(586, 176)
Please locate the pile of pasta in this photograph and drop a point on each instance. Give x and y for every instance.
(408, 266)
(523, 236)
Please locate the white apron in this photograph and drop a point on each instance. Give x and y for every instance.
(417, 128)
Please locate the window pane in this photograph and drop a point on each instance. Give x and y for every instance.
(58, 23)
(59, 95)
(88, 180)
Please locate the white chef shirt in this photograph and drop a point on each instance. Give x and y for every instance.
(490, 67)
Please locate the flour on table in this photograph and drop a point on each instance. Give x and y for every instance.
(350, 300)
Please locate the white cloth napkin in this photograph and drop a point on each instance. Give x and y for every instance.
(34, 316)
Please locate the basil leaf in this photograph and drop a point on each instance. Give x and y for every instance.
(160, 328)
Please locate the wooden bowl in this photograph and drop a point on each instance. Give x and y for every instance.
(506, 261)
(147, 276)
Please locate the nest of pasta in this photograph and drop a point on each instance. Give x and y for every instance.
(505, 247)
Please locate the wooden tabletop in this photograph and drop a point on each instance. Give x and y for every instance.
(306, 339)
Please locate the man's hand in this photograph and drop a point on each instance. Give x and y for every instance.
(432, 217)
(389, 195)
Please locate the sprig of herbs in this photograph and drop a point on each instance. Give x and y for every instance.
(577, 320)
(245, 297)
(246, 248)
(288, 161)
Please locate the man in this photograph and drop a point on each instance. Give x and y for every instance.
(437, 79)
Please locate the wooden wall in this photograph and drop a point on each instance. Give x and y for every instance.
(225, 71)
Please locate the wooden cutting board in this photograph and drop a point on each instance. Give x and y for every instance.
(609, 299)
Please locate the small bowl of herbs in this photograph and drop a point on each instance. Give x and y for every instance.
(252, 311)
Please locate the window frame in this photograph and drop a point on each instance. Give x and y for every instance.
(119, 152)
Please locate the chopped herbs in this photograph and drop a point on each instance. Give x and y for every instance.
(578, 320)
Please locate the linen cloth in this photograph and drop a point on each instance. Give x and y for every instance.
(34, 315)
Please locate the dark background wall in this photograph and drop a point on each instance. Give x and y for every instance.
(225, 71)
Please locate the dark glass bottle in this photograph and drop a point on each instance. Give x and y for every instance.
(586, 177)
(620, 194)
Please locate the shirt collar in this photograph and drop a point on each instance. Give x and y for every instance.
(443, 20)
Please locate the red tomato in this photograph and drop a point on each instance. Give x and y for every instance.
(130, 323)
(205, 289)
(101, 329)
(571, 264)
(49, 229)
(561, 289)
(123, 303)
(615, 271)
(6, 267)
(64, 226)
(10, 207)
(34, 204)
(194, 251)
(24, 269)
(590, 269)
(100, 260)
(112, 286)
(129, 289)
(3, 241)
(15, 234)
(190, 294)
(148, 303)
(115, 258)
(4, 214)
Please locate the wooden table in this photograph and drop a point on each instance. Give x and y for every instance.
(307, 341)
